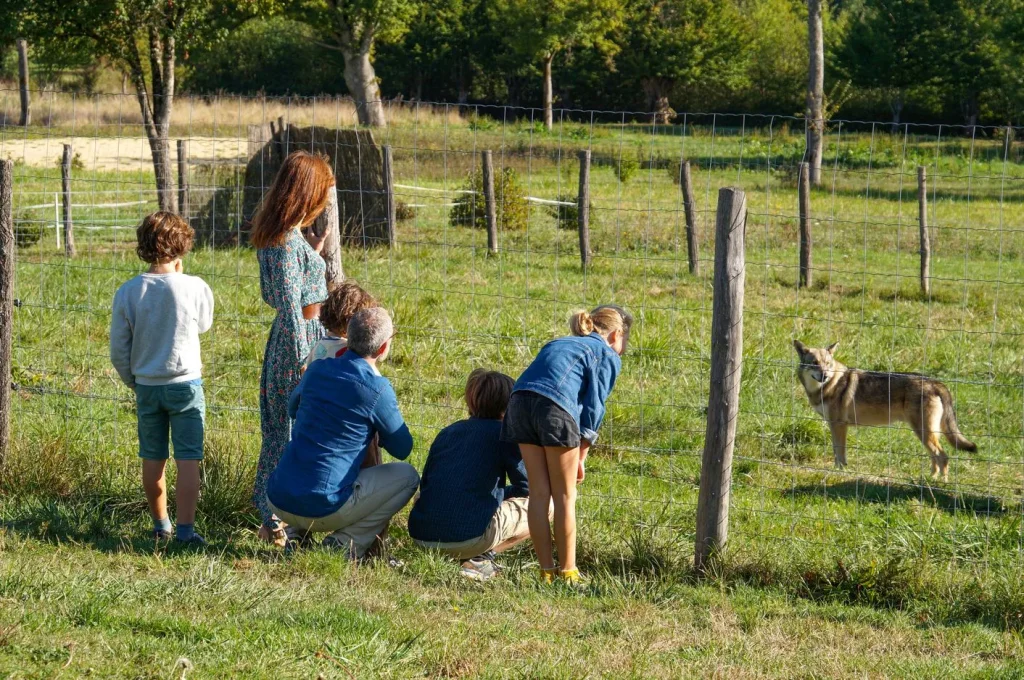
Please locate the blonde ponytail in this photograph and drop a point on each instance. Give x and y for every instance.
(580, 323)
(604, 319)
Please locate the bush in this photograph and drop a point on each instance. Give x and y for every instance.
(27, 232)
(513, 210)
(567, 216)
(625, 168)
(404, 211)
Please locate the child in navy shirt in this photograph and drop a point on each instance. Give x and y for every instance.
(465, 507)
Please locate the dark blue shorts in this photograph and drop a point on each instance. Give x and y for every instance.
(534, 419)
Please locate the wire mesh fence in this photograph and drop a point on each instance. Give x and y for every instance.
(458, 306)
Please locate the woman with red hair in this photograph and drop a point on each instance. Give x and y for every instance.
(293, 282)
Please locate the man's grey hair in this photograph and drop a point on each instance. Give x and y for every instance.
(368, 330)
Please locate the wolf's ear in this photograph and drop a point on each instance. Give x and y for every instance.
(800, 347)
(832, 348)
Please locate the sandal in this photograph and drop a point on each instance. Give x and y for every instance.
(275, 536)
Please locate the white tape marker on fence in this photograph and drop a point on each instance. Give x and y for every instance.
(532, 199)
(86, 206)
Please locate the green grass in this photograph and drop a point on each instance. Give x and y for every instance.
(871, 570)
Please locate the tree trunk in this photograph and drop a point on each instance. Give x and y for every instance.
(656, 91)
(26, 107)
(156, 115)
(361, 80)
(815, 90)
(896, 105)
(549, 117)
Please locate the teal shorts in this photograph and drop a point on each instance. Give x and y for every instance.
(178, 409)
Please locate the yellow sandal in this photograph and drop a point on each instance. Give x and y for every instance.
(548, 575)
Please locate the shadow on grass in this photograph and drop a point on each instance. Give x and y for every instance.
(112, 526)
(948, 500)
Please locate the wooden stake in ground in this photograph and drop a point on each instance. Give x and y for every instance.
(26, 102)
(329, 224)
(65, 178)
(183, 197)
(804, 193)
(583, 208)
(690, 210)
(7, 246)
(815, 90)
(922, 218)
(726, 370)
(390, 207)
(490, 204)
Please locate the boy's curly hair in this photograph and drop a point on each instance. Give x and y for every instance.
(487, 393)
(343, 301)
(162, 237)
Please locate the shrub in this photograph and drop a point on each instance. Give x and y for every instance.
(404, 211)
(27, 232)
(567, 216)
(512, 208)
(625, 168)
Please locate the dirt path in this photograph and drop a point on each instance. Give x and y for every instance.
(123, 154)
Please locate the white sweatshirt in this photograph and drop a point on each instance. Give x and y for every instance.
(155, 326)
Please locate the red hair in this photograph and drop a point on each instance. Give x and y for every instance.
(296, 198)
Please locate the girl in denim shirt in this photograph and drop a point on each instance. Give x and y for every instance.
(556, 408)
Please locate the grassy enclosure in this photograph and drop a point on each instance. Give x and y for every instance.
(878, 533)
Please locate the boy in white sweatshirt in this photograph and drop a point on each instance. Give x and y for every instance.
(154, 345)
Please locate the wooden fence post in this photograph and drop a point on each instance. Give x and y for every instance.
(806, 277)
(690, 210)
(583, 208)
(328, 225)
(7, 247)
(65, 177)
(183, 193)
(490, 204)
(391, 208)
(922, 218)
(26, 101)
(726, 370)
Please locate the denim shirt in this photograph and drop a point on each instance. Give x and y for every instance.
(338, 406)
(578, 374)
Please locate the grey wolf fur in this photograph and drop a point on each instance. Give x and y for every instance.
(848, 396)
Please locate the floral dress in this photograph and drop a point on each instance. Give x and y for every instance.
(292, 276)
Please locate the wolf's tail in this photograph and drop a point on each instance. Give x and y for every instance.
(949, 426)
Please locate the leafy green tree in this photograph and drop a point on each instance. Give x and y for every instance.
(143, 39)
(777, 73)
(540, 31)
(353, 27)
(676, 45)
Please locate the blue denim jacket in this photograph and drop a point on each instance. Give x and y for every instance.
(578, 374)
(338, 406)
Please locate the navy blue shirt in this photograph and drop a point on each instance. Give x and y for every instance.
(463, 482)
(338, 406)
(577, 373)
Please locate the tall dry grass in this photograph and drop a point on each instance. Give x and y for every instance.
(117, 114)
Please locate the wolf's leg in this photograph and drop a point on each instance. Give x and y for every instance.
(839, 443)
(927, 426)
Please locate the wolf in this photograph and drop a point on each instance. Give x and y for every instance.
(848, 396)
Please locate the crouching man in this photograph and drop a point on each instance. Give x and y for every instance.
(338, 407)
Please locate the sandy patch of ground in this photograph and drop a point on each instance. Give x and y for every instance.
(124, 154)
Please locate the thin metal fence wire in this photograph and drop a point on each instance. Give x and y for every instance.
(457, 308)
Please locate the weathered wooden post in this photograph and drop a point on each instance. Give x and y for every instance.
(65, 178)
(183, 193)
(922, 218)
(690, 210)
(390, 207)
(328, 224)
(7, 246)
(726, 370)
(815, 90)
(583, 208)
(490, 204)
(26, 101)
(804, 191)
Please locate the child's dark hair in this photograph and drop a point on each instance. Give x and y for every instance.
(162, 237)
(343, 301)
(487, 393)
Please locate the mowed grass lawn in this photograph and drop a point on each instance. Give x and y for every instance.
(874, 570)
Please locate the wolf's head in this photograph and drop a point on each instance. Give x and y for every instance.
(816, 365)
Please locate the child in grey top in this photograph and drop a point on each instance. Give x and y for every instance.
(154, 345)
